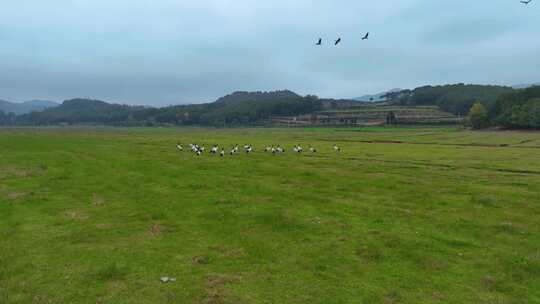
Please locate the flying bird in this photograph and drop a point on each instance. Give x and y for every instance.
(337, 41)
(319, 42)
(526, 2)
(367, 34)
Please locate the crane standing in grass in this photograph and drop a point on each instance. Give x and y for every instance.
(199, 150)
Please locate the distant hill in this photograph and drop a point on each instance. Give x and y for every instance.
(239, 108)
(525, 86)
(80, 110)
(7, 107)
(26, 107)
(241, 96)
(376, 97)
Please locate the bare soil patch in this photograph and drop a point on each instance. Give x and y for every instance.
(216, 290)
(97, 200)
(200, 260)
(19, 172)
(76, 215)
(15, 195)
(157, 230)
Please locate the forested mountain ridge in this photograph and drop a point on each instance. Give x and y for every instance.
(235, 109)
(80, 110)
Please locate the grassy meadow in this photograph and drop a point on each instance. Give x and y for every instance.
(405, 215)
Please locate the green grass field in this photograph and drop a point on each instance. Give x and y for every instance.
(425, 215)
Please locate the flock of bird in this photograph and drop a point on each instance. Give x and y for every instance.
(366, 36)
(274, 150)
(337, 41)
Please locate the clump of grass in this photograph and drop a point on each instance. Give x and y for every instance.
(392, 297)
(97, 200)
(157, 215)
(200, 260)
(370, 253)
(156, 230)
(522, 268)
(484, 201)
(224, 201)
(507, 227)
(216, 290)
(14, 195)
(3, 269)
(489, 283)
(112, 272)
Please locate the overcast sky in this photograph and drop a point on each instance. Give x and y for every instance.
(160, 52)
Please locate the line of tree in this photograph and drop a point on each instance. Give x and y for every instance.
(519, 109)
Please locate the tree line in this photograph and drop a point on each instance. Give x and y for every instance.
(519, 109)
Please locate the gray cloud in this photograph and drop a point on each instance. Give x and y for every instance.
(178, 51)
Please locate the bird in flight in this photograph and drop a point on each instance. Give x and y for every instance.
(526, 2)
(319, 42)
(337, 41)
(367, 34)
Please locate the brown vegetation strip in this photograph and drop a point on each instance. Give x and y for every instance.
(435, 143)
(426, 164)
(450, 166)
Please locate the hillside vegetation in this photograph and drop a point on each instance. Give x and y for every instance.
(236, 109)
(457, 99)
